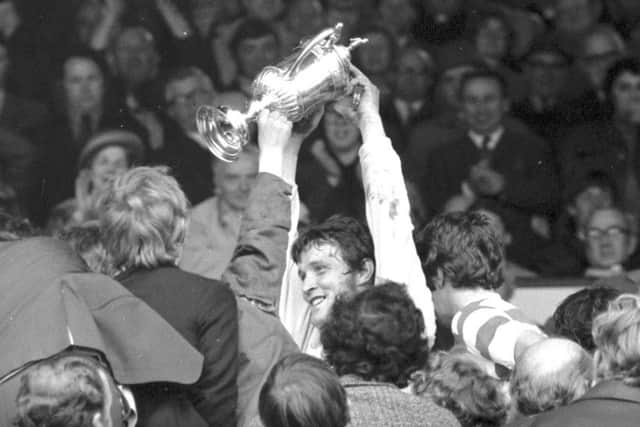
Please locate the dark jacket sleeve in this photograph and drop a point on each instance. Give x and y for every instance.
(217, 395)
(258, 262)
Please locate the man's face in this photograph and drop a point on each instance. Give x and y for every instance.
(234, 181)
(107, 164)
(483, 105)
(587, 201)
(184, 99)
(607, 238)
(625, 93)
(341, 133)
(255, 54)
(135, 56)
(547, 74)
(600, 52)
(325, 276)
(413, 78)
(448, 86)
(83, 84)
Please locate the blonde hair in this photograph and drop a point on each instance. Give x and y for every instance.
(616, 334)
(143, 218)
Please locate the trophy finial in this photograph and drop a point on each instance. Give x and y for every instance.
(355, 42)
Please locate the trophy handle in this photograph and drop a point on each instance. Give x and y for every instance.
(333, 34)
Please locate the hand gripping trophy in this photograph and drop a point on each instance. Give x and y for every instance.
(316, 74)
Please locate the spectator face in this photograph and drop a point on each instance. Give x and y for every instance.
(625, 93)
(587, 201)
(255, 54)
(600, 52)
(483, 105)
(575, 15)
(136, 59)
(325, 276)
(413, 77)
(108, 163)
(342, 135)
(234, 181)
(267, 10)
(83, 84)
(492, 39)
(186, 97)
(607, 238)
(446, 7)
(397, 15)
(448, 87)
(547, 74)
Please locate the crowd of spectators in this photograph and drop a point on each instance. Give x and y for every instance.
(355, 268)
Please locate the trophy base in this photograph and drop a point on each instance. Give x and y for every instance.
(226, 131)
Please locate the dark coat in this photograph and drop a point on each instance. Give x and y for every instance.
(49, 302)
(609, 403)
(189, 162)
(530, 182)
(205, 312)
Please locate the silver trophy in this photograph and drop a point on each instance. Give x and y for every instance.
(316, 74)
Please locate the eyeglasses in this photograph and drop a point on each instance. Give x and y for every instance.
(611, 232)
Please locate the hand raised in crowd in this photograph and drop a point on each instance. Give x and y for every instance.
(486, 181)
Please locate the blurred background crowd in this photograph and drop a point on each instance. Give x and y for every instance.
(513, 131)
(92, 87)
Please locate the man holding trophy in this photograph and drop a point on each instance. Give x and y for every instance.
(321, 72)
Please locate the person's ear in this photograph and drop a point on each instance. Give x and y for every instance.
(366, 272)
(506, 105)
(439, 280)
(632, 243)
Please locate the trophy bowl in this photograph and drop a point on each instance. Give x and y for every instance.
(315, 74)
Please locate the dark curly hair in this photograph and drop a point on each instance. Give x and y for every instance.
(377, 335)
(348, 234)
(574, 316)
(456, 382)
(465, 247)
(302, 391)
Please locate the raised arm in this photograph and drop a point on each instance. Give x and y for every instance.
(256, 270)
(387, 205)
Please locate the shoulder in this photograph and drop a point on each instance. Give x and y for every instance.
(203, 211)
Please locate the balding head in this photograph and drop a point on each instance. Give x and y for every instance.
(549, 374)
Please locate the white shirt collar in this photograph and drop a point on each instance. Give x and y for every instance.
(494, 138)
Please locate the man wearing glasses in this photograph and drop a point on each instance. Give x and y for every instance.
(609, 239)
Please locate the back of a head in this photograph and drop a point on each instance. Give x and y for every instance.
(616, 334)
(66, 391)
(574, 316)
(376, 335)
(302, 391)
(143, 216)
(549, 374)
(456, 382)
(346, 233)
(465, 248)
